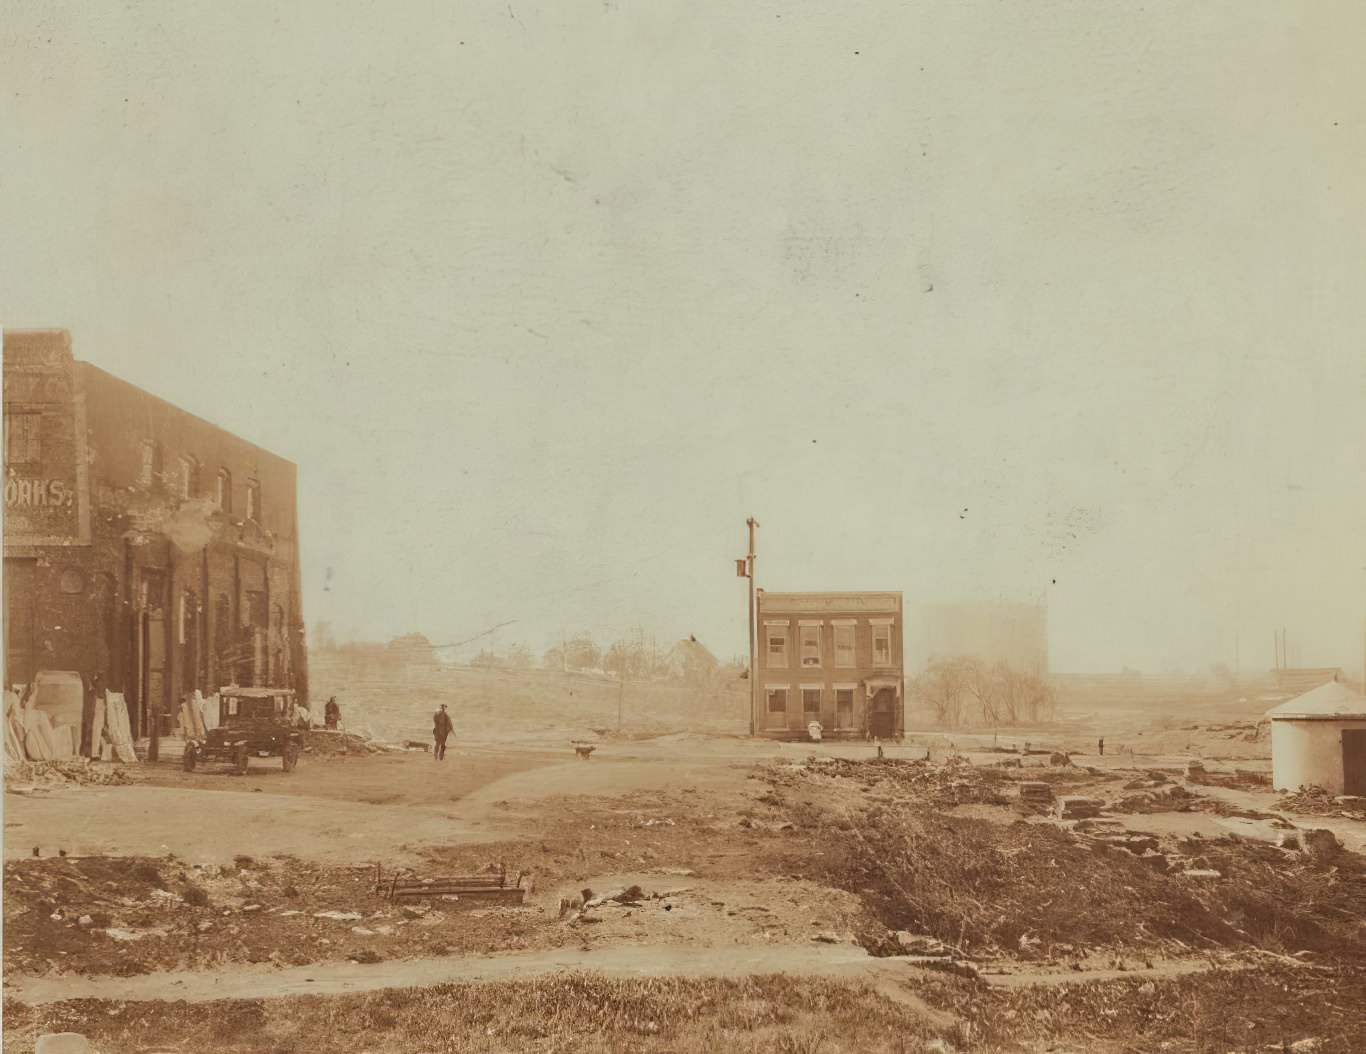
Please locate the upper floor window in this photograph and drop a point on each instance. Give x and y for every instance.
(224, 494)
(149, 461)
(882, 645)
(189, 478)
(777, 647)
(253, 500)
(844, 645)
(23, 438)
(811, 645)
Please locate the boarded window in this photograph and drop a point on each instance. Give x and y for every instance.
(882, 645)
(777, 700)
(844, 645)
(189, 478)
(811, 645)
(844, 708)
(811, 702)
(23, 439)
(777, 647)
(224, 490)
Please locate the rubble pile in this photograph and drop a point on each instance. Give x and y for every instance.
(326, 742)
(1078, 807)
(951, 782)
(1078, 884)
(1238, 779)
(1170, 798)
(1315, 801)
(23, 776)
(124, 916)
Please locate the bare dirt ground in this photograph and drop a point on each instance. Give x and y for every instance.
(790, 897)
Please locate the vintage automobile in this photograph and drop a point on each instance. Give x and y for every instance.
(252, 723)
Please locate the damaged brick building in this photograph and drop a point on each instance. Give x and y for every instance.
(142, 544)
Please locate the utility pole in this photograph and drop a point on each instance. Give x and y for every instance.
(752, 523)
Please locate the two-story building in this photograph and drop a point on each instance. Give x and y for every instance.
(832, 658)
(142, 544)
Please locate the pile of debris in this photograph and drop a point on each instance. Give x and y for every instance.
(327, 741)
(1238, 779)
(1171, 798)
(1315, 801)
(24, 777)
(577, 910)
(955, 781)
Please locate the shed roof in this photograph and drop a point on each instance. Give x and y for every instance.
(1328, 701)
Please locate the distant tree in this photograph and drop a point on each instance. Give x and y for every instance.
(943, 687)
(582, 654)
(1038, 696)
(553, 659)
(966, 690)
(521, 657)
(487, 660)
(617, 659)
(412, 648)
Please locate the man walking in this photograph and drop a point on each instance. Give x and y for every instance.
(441, 728)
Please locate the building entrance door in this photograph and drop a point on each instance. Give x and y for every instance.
(882, 714)
(149, 648)
(1354, 761)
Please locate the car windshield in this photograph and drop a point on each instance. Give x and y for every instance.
(244, 707)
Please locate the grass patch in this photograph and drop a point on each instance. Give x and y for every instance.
(572, 1014)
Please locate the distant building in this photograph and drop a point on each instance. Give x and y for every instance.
(834, 658)
(1319, 739)
(141, 543)
(993, 631)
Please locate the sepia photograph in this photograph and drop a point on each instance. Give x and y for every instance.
(638, 527)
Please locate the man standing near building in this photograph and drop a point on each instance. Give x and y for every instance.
(441, 728)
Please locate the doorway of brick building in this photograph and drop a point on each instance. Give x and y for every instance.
(882, 714)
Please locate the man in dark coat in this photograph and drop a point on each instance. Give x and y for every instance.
(441, 728)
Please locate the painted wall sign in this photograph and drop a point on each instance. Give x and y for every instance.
(47, 464)
(35, 493)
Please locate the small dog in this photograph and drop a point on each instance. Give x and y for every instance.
(584, 749)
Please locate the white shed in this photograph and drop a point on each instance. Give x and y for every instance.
(1319, 739)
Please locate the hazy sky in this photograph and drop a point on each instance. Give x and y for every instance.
(1057, 300)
